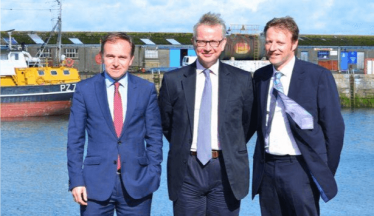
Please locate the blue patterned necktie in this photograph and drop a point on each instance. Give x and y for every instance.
(204, 148)
(301, 117)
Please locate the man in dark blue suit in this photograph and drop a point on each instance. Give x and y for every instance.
(205, 110)
(299, 128)
(119, 114)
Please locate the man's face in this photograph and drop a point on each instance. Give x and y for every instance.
(117, 57)
(209, 54)
(279, 46)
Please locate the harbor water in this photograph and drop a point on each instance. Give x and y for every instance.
(34, 179)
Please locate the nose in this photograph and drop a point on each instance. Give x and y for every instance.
(207, 47)
(115, 62)
(273, 46)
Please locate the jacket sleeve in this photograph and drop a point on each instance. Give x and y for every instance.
(76, 139)
(330, 118)
(153, 135)
(165, 108)
(247, 107)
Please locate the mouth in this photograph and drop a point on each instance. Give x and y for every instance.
(207, 55)
(273, 55)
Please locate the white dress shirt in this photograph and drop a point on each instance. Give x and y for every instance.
(109, 82)
(281, 140)
(200, 82)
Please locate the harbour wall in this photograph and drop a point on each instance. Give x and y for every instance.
(355, 90)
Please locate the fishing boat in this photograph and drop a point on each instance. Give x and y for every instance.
(31, 87)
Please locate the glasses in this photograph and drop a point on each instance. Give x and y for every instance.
(202, 43)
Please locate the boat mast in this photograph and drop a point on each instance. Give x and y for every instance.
(58, 51)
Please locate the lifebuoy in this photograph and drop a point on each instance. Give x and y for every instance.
(98, 59)
(69, 62)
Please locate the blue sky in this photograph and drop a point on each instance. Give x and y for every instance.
(347, 17)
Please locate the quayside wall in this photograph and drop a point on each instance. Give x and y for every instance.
(355, 90)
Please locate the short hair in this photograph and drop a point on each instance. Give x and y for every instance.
(113, 36)
(210, 19)
(287, 23)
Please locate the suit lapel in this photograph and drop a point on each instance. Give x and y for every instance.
(132, 95)
(224, 83)
(298, 74)
(189, 85)
(264, 91)
(102, 98)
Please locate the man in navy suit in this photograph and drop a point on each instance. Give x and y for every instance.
(294, 161)
(119, 114)
(216, 184)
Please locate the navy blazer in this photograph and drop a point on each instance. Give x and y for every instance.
(139, 146)
(313, 87)
(177, 103)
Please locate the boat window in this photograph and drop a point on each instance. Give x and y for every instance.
(41, 73)
(54, 73)
(66, 72)
(14, 56)
(4, 57)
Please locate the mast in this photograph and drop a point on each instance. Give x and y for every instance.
(58, 51)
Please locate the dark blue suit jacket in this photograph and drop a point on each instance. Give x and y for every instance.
(140, 143)
(177, 103)
(314, 88)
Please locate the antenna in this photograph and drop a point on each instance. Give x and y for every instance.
(10, 38)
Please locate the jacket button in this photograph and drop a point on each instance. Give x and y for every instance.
(184, 161)
(262, 161)
(115, 162)
(119, 142)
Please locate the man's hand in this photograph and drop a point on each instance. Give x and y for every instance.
(80, 195)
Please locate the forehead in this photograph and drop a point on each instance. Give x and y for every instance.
(214, 31)
(278, 32)
(117, 44)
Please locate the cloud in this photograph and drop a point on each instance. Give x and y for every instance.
(312, 16)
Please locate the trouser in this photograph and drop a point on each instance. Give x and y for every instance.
(206, 190)
(120, 201)
(287, 188)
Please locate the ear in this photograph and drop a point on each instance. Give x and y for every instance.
(131, 60)
(223, 44)
(98, 58)
(294, 45)
(193, 42)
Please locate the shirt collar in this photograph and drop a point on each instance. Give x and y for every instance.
(288, 68)
(109, 81)
(214, 69)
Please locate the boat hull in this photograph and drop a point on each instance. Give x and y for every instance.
(40, 100)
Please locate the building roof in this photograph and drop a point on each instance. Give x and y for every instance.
(159, 38)
(162, 38)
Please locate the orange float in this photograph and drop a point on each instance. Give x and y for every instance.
(69, 62)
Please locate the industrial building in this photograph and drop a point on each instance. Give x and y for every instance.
(341, 53)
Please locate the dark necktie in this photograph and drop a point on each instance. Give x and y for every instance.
(204, 148)
(118, 115)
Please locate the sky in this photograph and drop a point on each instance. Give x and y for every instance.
(336, 17)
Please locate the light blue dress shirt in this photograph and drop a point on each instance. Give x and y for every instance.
(109, 82)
